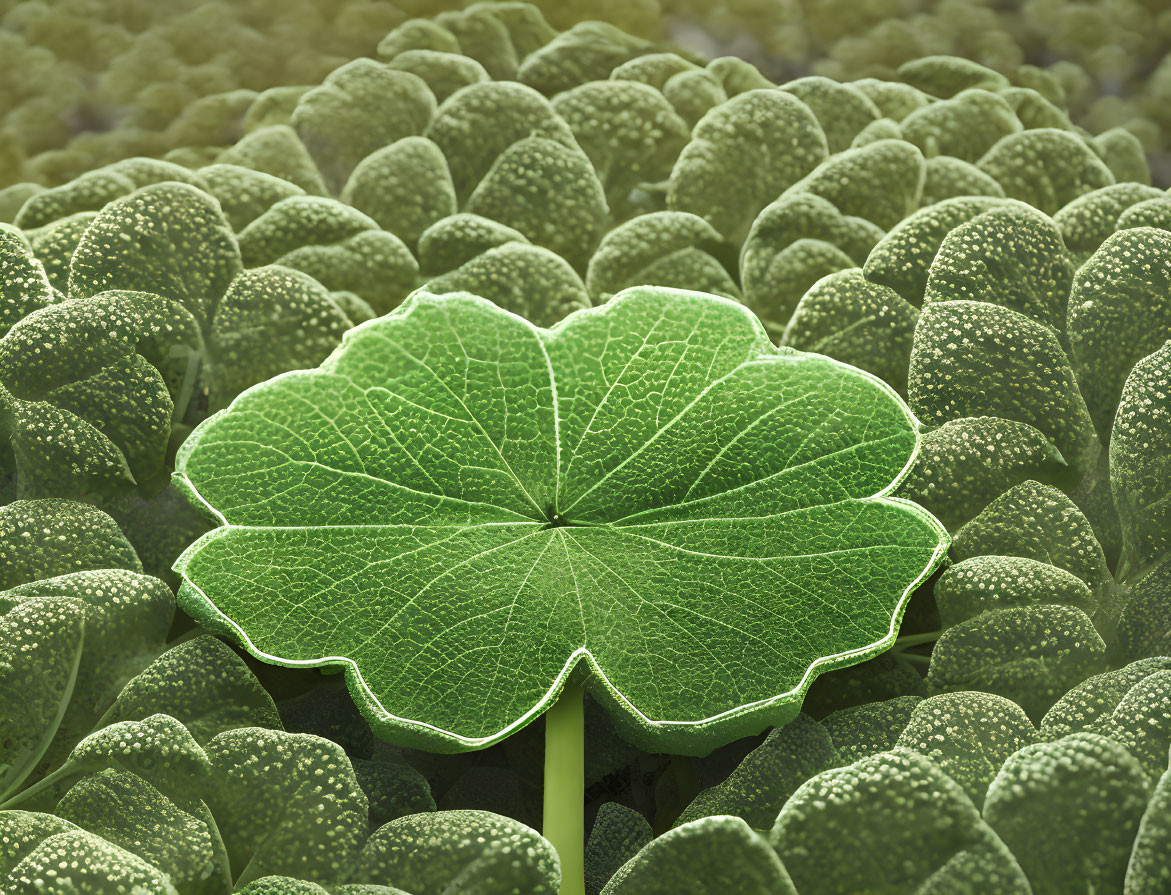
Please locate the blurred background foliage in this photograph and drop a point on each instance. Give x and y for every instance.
(87, 82)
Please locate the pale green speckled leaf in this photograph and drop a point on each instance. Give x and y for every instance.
(910, 829)
(712, 854)
(649, 490)
(54, 857)
(1149, 870)
(1119, 312)
(617, 835)
(767, 776)
(969, 735)
(476, 852)
(1088, 785)
(1140, 461)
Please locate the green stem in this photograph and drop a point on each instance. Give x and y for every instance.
(910, 640)
(565, 786)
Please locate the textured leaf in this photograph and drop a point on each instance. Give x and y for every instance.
(53, 857)
(945, 76)
(1046, 167)
(713, 854)
(946, 178)
(271, 319)
(588, 51)
(455, 240)
(1030, 655)
(1150, 862)
(742, 155)
(1144, 628)
(661, 468)
(1088, 220)
(285, 803)
(524, 279)
(536, 186)
(202, 683)
(618, 834)
(24, 286)
(965, 126)
(879, 182)
(346, 118)
(444, 73)
(911, 829)
(969, 735)
(277, 150)
(985, 583)
(54, 245)
(882, 677)
(768, 775)
(125, 810)
(92, 389)
(459, 851)
(47, 538)
(967, 463)
(244, 194)
(1119, 312)
(1010, 256)
(841, 110)
(859, 731)
(169, 239)
(849, 318)
(1041, 523)
(1094, 791)
(126, 618)
(629, 131)
(971, 358)
(405, 187)
(477, 124)
(1140, 463)
(902, 259)
(662, 248)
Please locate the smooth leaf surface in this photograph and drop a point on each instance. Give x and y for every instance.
(461, 508)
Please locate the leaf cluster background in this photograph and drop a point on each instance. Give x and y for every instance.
(192, 212)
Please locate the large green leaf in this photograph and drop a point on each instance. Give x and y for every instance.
(460, 508)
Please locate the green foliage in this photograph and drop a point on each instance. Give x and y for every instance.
(600, 487)
(870, 803)
(207, 206)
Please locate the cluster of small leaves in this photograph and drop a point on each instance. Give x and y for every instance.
(947, 230)
(130, 762)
